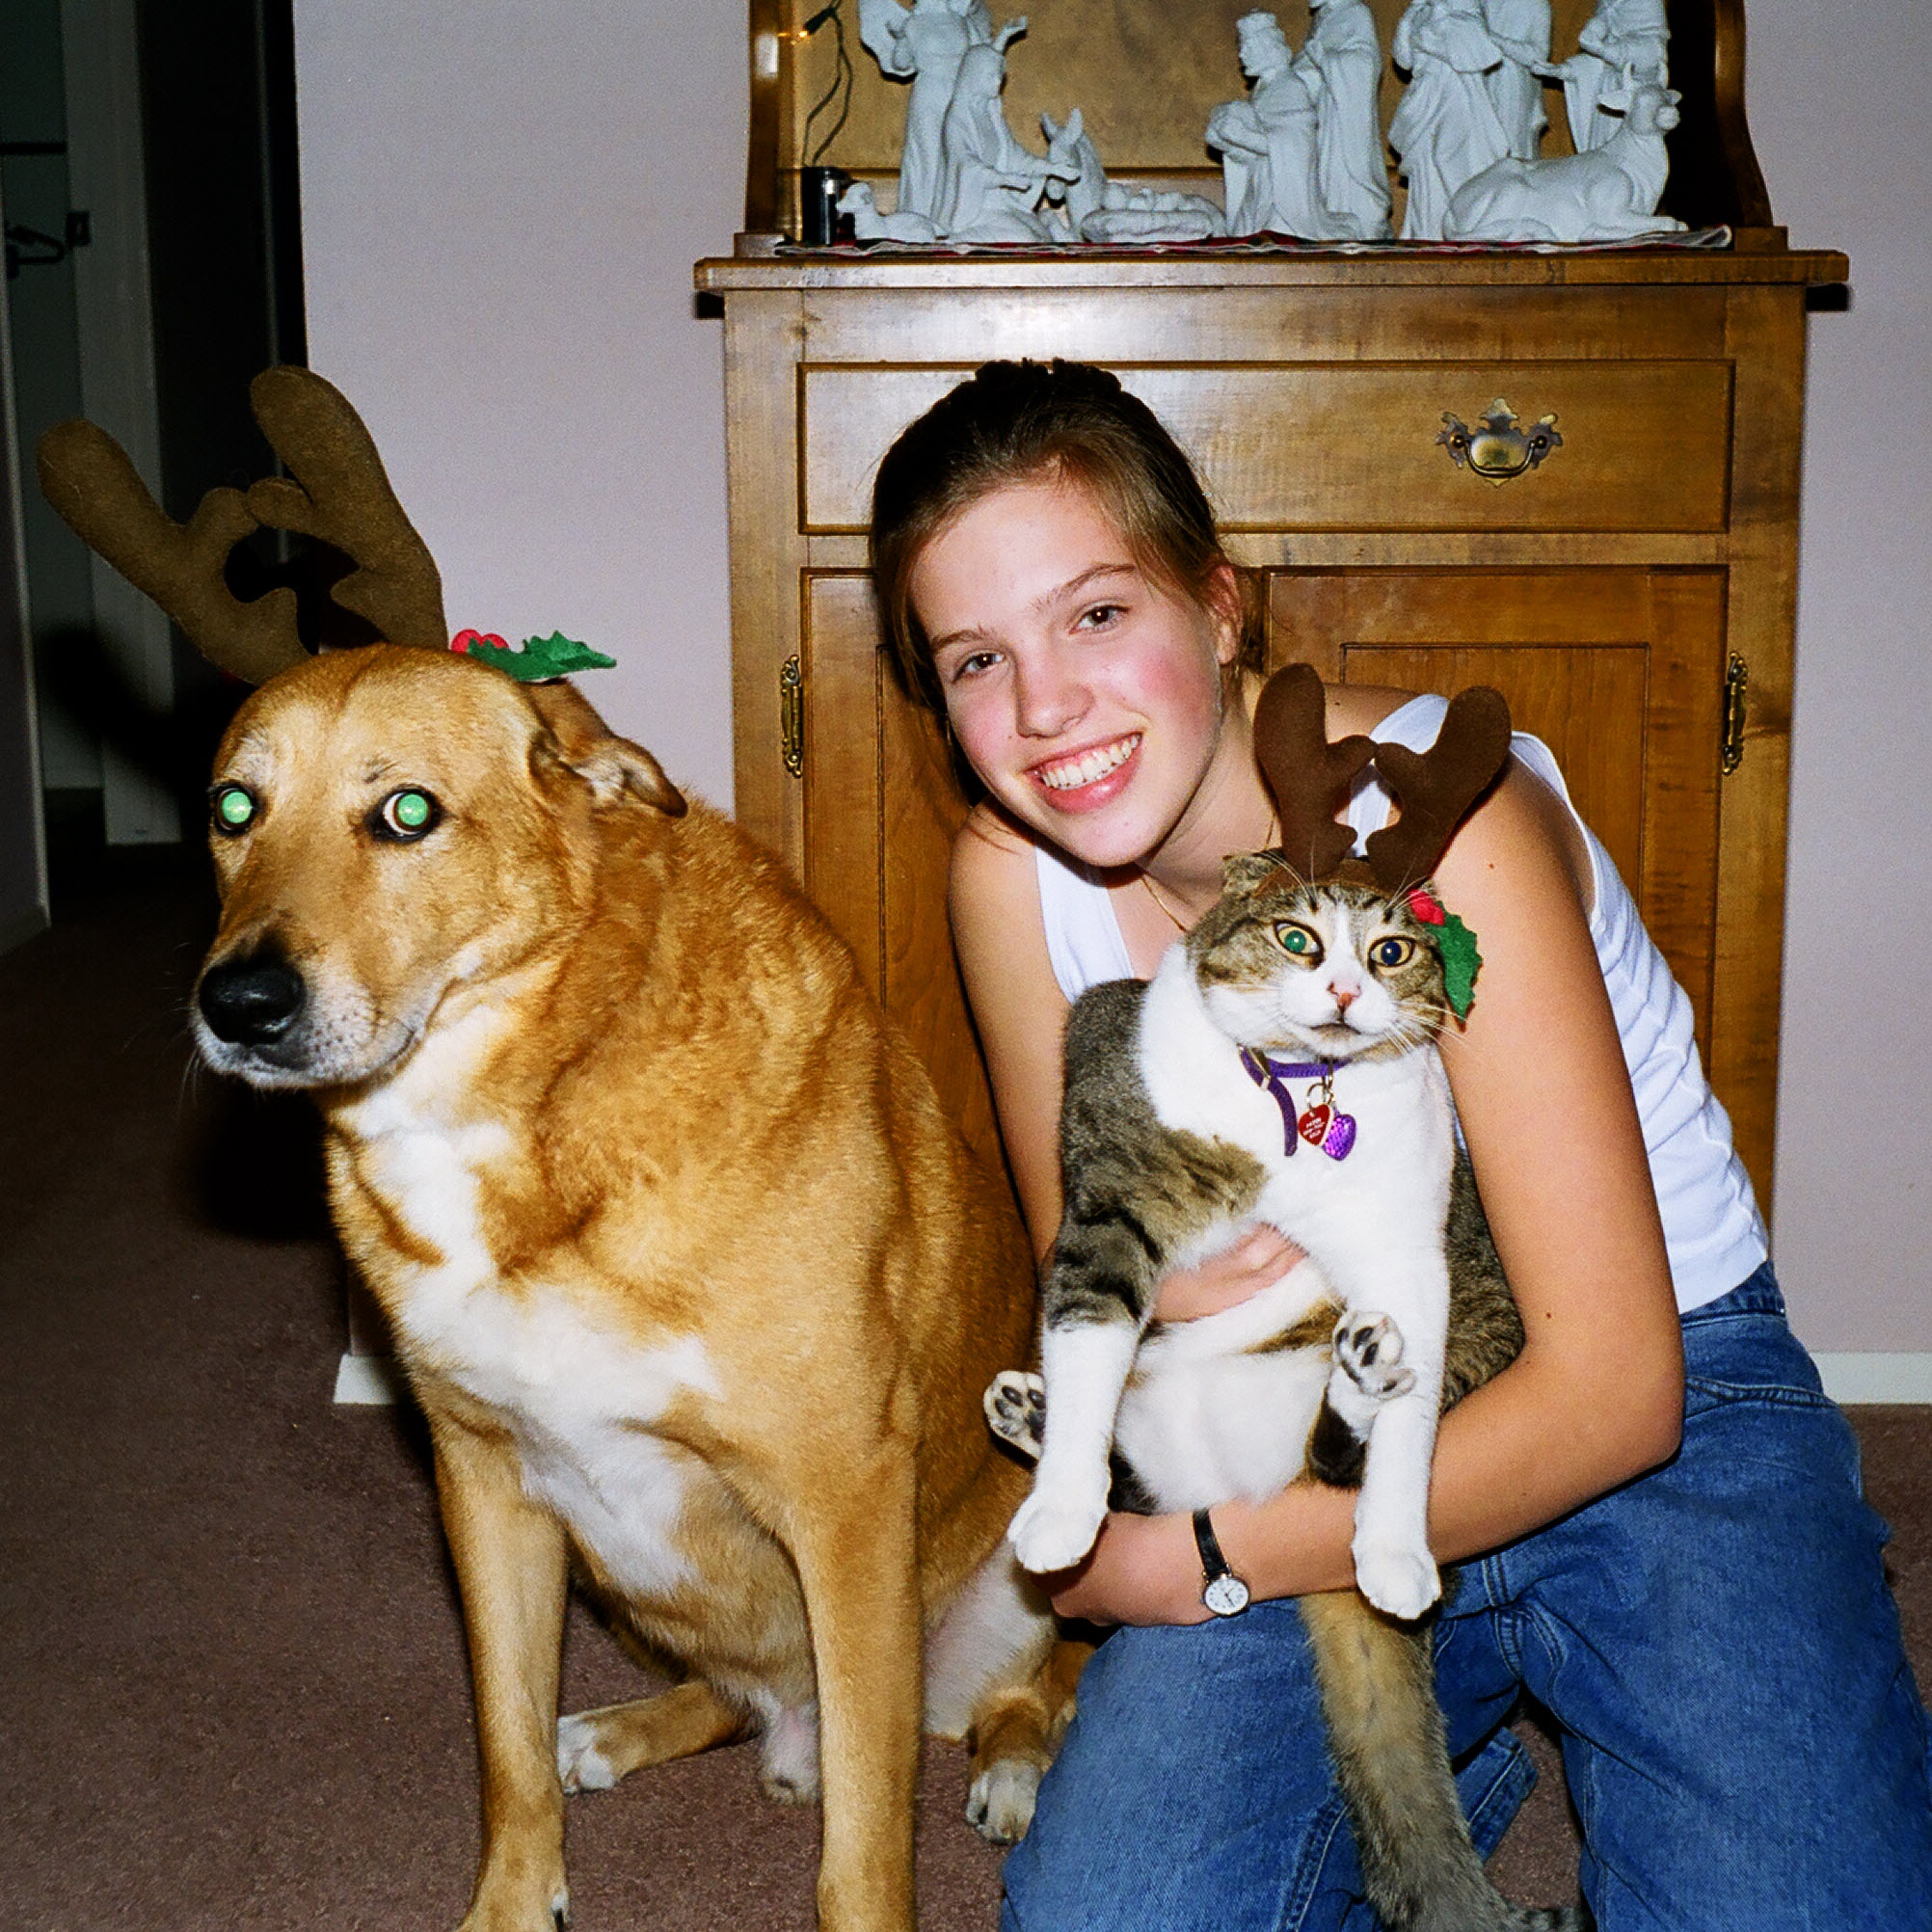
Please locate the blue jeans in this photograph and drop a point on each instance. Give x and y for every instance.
(1741, 1735)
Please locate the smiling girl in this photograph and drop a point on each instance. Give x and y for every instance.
(1655, 1509)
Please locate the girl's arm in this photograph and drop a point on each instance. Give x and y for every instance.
(1543, 1095)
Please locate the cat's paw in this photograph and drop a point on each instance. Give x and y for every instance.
(1016, 1410)
(1368, 1350)
(1052, 1529)
(1399, 1581)
(1000, 1806)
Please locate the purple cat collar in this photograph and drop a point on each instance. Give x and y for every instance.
(1284, 1069)
(1321, 1123)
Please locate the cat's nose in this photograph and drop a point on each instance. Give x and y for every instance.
(1345, 997)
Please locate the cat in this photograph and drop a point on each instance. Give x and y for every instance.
(1182, 1127)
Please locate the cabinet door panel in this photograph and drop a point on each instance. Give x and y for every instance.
(1619, 672)
(881, 806)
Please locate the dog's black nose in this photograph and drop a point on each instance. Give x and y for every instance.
(252, 1001)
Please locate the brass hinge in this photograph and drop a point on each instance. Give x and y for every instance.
(1737, 676)
(791, 717)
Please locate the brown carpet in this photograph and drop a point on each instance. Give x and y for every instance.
(233, 1677)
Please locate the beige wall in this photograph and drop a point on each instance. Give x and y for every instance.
(502, 203)
(1837, 101)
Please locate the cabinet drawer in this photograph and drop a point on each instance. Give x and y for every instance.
(1354, 445)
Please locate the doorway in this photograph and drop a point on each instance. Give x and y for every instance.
(148, 169)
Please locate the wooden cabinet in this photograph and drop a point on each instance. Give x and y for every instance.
(1624, 594)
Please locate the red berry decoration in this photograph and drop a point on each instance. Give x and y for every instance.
(1426, 906)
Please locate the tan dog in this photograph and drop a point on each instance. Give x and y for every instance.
(693, 1281)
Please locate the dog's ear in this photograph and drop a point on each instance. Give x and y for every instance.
(581, 740)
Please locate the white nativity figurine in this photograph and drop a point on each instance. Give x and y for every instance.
(1267, 140)
(870, 225)
(1445, 129)
(1083, 193)
(991, 186)
(1604, 193)
(925, 44)
(1340, 64)
(1521, 30)
(1113, 213)
(1619, 34)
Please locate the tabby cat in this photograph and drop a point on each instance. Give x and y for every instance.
(1280, 1067)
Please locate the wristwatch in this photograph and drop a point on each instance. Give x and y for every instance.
(1224, 1593)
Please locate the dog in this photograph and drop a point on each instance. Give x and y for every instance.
(695, 1285)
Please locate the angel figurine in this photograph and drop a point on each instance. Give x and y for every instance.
(925, 44)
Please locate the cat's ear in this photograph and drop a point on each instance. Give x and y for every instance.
(1242, 874)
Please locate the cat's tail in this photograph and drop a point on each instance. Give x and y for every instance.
(1420, 1869)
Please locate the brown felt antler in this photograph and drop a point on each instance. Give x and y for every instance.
(85, 476)
(341, 497)
(1436, 787)
(1305, 771)
(1433, 787)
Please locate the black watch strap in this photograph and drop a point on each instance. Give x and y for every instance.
(1222, 1591)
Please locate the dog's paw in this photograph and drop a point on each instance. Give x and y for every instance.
(1053, 1530)
(1000, 1806)
(581, 1765)
(789, 1750)
(497, 1909)
(1016, 1410)
(1399, 1581)
(1368, 1350)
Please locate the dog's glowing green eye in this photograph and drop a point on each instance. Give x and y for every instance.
(234, 808)
(406, 813)
(1297, 940)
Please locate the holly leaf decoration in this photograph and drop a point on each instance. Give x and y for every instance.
(541, 659)
(1460, 963)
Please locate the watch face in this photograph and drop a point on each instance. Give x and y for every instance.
(1227, 1596)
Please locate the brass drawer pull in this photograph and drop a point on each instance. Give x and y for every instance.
(1499, 449)
(1736, 681)
(791, 717)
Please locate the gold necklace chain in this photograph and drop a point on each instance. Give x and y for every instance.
(1173, 918)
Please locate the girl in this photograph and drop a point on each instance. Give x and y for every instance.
(1655, 1511)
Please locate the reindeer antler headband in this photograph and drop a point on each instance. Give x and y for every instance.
(1435, 789)
(338, 492)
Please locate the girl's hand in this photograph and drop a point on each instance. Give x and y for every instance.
(1143, 1569)
(1224, 1281)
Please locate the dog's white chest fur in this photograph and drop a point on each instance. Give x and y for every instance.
(579, 1396)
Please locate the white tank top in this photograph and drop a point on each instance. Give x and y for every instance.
(1712, 1228)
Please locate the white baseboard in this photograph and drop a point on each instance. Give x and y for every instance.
(1898, 1377)
(367, 1381)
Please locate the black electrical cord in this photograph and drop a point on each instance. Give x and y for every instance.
(842, 77)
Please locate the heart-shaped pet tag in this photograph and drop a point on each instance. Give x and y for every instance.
(1340, 1136)
(1313, 1125)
